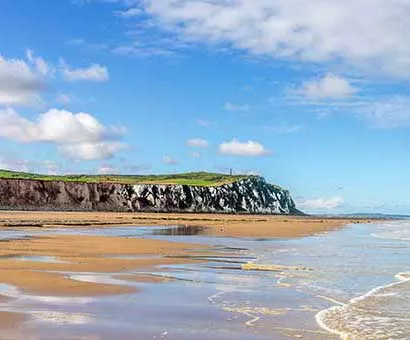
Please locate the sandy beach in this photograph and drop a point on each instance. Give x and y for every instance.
(10, 320)
(215, 224)
(82, 254)
(44, 265)
(78, 254)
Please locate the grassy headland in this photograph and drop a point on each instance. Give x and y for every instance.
(191, 178)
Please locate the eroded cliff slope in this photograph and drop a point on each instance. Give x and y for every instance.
(248, 195)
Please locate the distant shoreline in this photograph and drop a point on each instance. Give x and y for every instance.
(235, 225)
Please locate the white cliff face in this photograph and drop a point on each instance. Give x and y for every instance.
(251, 195)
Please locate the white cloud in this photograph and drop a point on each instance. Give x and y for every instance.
(52, 126)
(198, 143)
(169, 161)
(20, 84)
(78, 136)
(237, 148)
(39, 63)
(22, 81)
(94, 72)
(329, 87)
(91, 150)
(321, 203)
(235, 107)
(359, 32)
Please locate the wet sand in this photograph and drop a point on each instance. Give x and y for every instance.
(42, 265)
(4, 299)
(102, 254)
(10, 320)
(83, 254)
(142, 278)
(215, 224)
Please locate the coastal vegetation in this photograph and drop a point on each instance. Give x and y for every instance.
(190, 178)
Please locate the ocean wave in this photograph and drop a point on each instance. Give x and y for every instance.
(382, 313)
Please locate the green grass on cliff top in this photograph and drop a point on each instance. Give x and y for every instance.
(191, 178)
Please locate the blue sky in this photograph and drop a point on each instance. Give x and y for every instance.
(310, 94)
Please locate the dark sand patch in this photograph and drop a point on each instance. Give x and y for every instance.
(9, 320)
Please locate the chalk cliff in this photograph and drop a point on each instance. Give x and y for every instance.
(249, 195)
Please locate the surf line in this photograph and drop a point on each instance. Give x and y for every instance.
(401, 277)
(213, 297)
(331, 300)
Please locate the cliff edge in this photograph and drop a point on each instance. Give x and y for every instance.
(249, 194)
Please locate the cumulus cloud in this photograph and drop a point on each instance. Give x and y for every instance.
(321, 203)
(95, 72)
(20, 83)
(91, 150)
(23, 81)
(198, 143)
(77, 135)
(169, 160)
(237, 148)
(359, 32)
(329, 87)
(235, 107)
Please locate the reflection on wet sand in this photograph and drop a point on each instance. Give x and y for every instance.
(175, 283)
(181, 231)
(82, 254)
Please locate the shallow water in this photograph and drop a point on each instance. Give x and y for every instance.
(342, 283)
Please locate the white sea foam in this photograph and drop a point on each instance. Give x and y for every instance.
(403, 276)
(381, 313)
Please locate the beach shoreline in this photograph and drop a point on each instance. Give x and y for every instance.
(70, 258)
(72, 253)
(230, 225)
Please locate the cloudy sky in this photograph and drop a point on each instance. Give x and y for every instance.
(312, 94)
